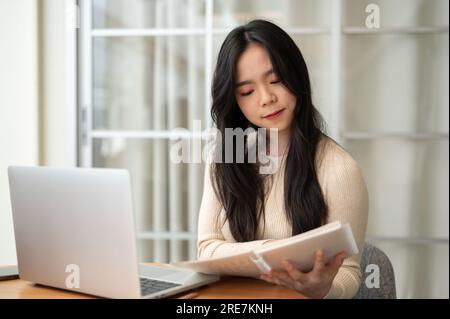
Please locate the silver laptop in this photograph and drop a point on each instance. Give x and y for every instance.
(74, 230)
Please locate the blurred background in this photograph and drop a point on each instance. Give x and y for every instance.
(102, 83)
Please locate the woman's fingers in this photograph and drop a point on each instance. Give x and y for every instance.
(337, 261)
(295, 279)
(270, 279)
(339, 258)
(281, 278)
(289, 283)
(284, 277)
(293, 272)
(333, 266)
(319, 263)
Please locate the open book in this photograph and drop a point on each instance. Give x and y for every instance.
(300, 249)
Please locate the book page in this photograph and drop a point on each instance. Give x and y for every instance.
(236, 265)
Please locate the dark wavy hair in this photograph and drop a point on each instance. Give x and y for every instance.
(239, 186)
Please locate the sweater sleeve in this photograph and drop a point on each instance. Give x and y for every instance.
(211, 240)
(347, 199)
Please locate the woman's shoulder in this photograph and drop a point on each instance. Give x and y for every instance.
(333, 158)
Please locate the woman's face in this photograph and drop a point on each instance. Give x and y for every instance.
(262, 98)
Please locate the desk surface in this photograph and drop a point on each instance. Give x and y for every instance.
(226, 288)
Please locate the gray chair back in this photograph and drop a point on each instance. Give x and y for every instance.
(374, 256)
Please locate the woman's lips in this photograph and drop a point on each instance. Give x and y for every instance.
(273, 115)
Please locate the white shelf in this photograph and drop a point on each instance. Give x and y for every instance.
(395, 30)
(394, 135)
(145, 32)
(151, 32)
(409, 240)
(147, 134)
(148, 235)
(293, 30)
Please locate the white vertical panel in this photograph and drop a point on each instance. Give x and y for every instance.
(175, 180)
(159, 151)
(86, 83)
(208, 59)
(335, 121)
(135, 154)
(72, 16)
(193, 171)
(57, 82)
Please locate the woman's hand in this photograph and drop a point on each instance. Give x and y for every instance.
(313, 284)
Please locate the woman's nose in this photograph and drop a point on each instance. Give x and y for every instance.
(267, 97)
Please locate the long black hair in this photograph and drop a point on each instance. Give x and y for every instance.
(239, 187)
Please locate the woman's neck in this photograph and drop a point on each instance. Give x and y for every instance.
(283, 143)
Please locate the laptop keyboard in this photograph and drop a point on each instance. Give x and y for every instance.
(150, 286)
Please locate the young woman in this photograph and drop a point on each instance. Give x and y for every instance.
(261, 81)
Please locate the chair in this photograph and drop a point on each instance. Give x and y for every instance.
(373, 255)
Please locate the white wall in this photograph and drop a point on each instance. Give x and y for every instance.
(18, 104)
(34, 125)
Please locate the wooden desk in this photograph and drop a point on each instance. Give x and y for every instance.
(227, 288)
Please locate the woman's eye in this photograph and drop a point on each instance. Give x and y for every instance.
(275, 82)
(246, 93)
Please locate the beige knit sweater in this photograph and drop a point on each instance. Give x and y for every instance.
(345, 194)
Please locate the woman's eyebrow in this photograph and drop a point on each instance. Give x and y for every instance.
(267, 73)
